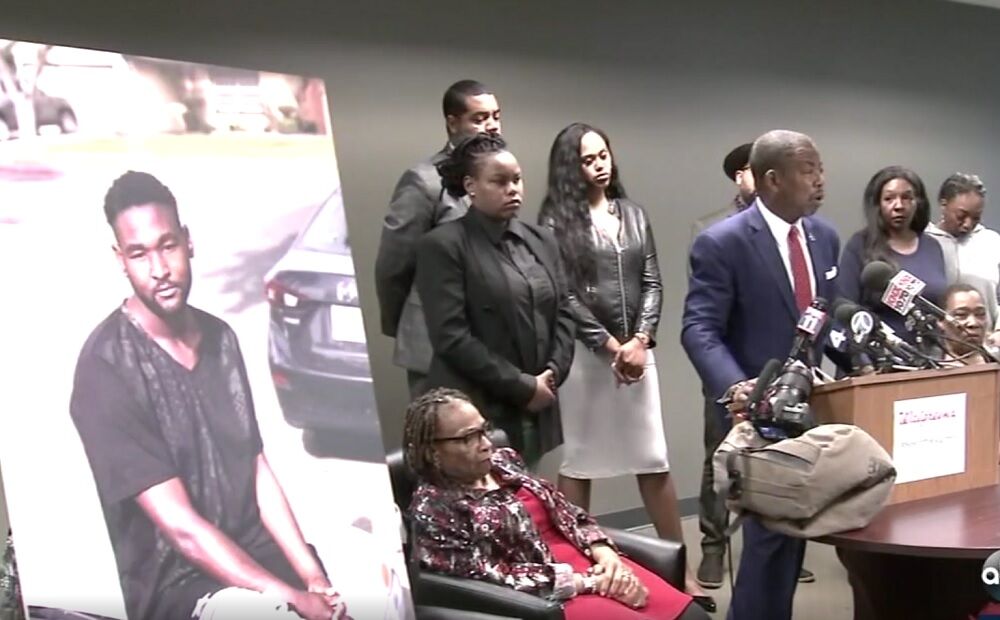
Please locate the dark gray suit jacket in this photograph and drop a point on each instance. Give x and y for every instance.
(418, 205)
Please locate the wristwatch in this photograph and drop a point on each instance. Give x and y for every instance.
(589, 584)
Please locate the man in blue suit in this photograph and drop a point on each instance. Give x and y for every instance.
(751, 276)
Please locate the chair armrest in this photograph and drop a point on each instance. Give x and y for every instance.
(445, 613)
(666, 558)
(459, 593)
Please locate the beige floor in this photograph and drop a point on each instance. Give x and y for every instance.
(828, 598)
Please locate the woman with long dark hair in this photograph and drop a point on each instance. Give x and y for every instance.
(896, 214)
(495, 300)
(611, 415)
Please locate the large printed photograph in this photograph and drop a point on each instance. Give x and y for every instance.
(189, 425)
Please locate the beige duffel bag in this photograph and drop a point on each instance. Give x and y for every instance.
(832, 478)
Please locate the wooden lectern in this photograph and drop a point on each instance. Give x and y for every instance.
(868, 402)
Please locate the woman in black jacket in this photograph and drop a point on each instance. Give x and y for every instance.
(495, 300)
(612, 418)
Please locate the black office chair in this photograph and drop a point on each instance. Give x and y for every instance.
(51, 613)
(662, 557)
(424, 612)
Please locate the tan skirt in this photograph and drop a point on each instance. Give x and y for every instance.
(610, 431)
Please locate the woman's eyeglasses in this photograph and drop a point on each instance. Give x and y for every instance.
(472, 437)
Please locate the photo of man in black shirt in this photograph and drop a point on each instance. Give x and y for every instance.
(162, 404)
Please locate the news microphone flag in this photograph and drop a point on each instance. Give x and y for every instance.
(902, 291)
(862, 324)
(811, 321)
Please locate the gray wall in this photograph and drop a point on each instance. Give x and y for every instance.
(676, 85)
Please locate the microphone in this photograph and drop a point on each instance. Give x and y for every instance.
(875, 276)
(871, 334)
(807, 331)
(839, 337)
(859, 322)
(779, 406)
(767, 374)
(900, 290)
(858, 330)
(993, 351)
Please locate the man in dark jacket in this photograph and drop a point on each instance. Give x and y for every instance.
(418, 205)
(712, 515)
(752, 276)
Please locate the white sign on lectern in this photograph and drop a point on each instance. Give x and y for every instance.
(928, 437)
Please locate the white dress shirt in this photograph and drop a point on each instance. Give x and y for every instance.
(779, 230)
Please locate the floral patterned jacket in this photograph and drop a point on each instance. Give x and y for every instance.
(489, 535)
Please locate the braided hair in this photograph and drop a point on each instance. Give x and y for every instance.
(420, 427)
(464, 159)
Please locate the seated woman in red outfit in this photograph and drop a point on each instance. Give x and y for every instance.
(478, 513)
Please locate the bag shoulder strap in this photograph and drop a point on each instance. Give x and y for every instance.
(735, 488)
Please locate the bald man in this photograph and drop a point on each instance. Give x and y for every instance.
(752, 275)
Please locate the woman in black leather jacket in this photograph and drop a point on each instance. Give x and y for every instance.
(610, 403)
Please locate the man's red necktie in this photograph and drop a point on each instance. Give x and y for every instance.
(800, 271)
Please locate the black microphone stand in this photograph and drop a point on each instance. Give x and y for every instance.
(926, 328)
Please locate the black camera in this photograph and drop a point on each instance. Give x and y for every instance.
(781, 407)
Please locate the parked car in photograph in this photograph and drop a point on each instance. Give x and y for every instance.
(48, 111)
(317, 351)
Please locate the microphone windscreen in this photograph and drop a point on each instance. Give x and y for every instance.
(764, 379)
(844, 309)
(876, 275)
